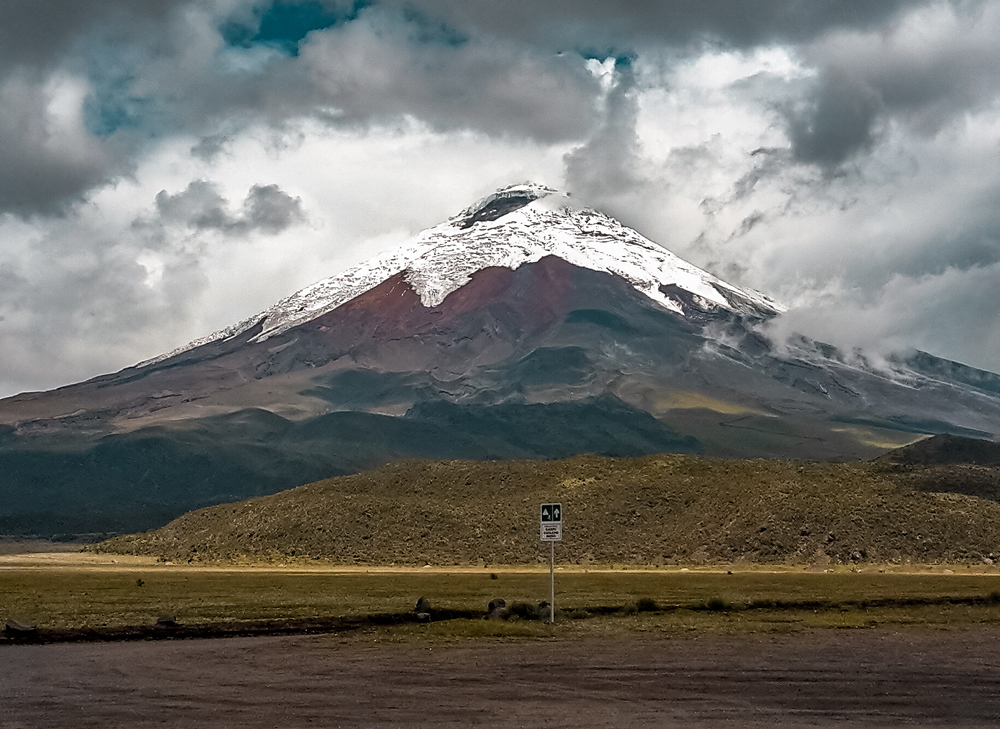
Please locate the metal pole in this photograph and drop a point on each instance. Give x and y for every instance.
(552, 583)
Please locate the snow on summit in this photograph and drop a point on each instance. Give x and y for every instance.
(515, 225)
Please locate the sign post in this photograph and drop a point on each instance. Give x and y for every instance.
(551, 532)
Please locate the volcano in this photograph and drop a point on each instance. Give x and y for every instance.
(524, 327)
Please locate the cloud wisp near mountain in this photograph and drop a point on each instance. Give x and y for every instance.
(526, 326)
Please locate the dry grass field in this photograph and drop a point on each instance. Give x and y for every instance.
(85, 590)
(664, 543)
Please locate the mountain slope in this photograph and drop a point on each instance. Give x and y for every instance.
(523, 327)
(142, 479)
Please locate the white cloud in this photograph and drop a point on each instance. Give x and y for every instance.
(937, 313)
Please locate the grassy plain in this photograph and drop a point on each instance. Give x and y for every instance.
(89, 590)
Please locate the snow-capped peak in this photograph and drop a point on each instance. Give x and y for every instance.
(503, 201)
(513, 226)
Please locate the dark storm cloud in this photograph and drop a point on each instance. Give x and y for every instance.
(210, 146)
(38, 33)
(200, 206)
(594, 23)
(270, 210)
(156, 67)
(47, 158)
(383, 66)
(923, 70)
(42, 160)
(836, 121)
(151, 71)
(358, 64)
(940, 56)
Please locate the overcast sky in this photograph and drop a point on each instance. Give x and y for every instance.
(168, 167)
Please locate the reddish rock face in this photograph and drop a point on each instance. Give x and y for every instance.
(534, 296)
(388, 328)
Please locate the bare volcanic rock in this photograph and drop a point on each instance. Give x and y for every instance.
(649, 510)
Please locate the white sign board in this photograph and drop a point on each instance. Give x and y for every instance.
(551, 522)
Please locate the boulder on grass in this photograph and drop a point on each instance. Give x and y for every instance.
(497, 609)
(13, 627)
(423, 610)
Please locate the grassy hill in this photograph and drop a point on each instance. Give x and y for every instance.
(648, 510)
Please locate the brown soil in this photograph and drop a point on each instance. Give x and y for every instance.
(655, 510)
(866, 678)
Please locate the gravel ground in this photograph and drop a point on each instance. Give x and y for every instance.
(862, 678)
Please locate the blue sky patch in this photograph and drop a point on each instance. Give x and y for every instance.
(622, 59)
(284, 24)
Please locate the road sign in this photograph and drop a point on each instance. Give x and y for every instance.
(552, 533)
(551, 529)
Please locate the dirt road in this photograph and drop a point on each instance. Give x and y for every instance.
(862, 678)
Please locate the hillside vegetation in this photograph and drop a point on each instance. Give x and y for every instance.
(142, 479)
(650, 510)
